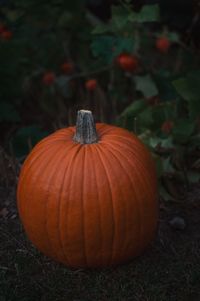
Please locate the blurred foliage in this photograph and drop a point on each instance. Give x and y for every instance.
(158, 100)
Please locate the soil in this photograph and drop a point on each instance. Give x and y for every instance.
(169, 270)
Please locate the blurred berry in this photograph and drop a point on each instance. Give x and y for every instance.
(2, 28)
(167, 126)
(6, 35)
(48, 78)
(163, 44)
(91, 84)
(127, 62)
(67, 67)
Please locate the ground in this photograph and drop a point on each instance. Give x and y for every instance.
(169, 270)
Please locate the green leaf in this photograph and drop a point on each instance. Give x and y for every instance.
(107, 47)
(154, 141)
(188, 87)
(102, 47)
(25, 138)
(193, 176)
(8, 112)
(183, 130)
(164, 194)
(146, 85)
(124, 44)
(159, 165)
(13, 15)
(148, 13)
(133, 17)
(167, 143)
(65, 19)
(167, 166)
(194, 108)
(166, 89)
(101, 28)
(145, 118)
(195, 141)
(158, 117)
(173, 36)
(134, 109)
(119, 18)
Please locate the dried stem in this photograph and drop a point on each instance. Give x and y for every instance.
(85, 128)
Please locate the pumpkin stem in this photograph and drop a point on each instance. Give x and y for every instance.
(85, 128)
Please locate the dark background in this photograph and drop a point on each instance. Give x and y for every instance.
(177, 15)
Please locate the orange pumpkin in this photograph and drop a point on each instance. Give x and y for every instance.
(87, 196)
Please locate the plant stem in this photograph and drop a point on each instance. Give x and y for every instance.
(85, 128)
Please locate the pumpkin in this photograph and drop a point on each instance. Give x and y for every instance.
(87, 195)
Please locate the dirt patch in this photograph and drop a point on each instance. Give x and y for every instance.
(169, 270)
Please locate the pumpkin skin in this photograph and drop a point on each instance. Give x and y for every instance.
(89, 205)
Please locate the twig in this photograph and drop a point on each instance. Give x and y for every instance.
(6, 269)
(127, 6)
(135, 125)
(66, 50)
(178, 62)
(87, 74)
(110, 89)
(92, 19)
(192, 26)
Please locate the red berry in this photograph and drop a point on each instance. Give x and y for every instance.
(91, 84)
(2, 28)
(67, 67)
(127, 62)
(6, 35)
(163, 44)
(167, 126)
(48, 78)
